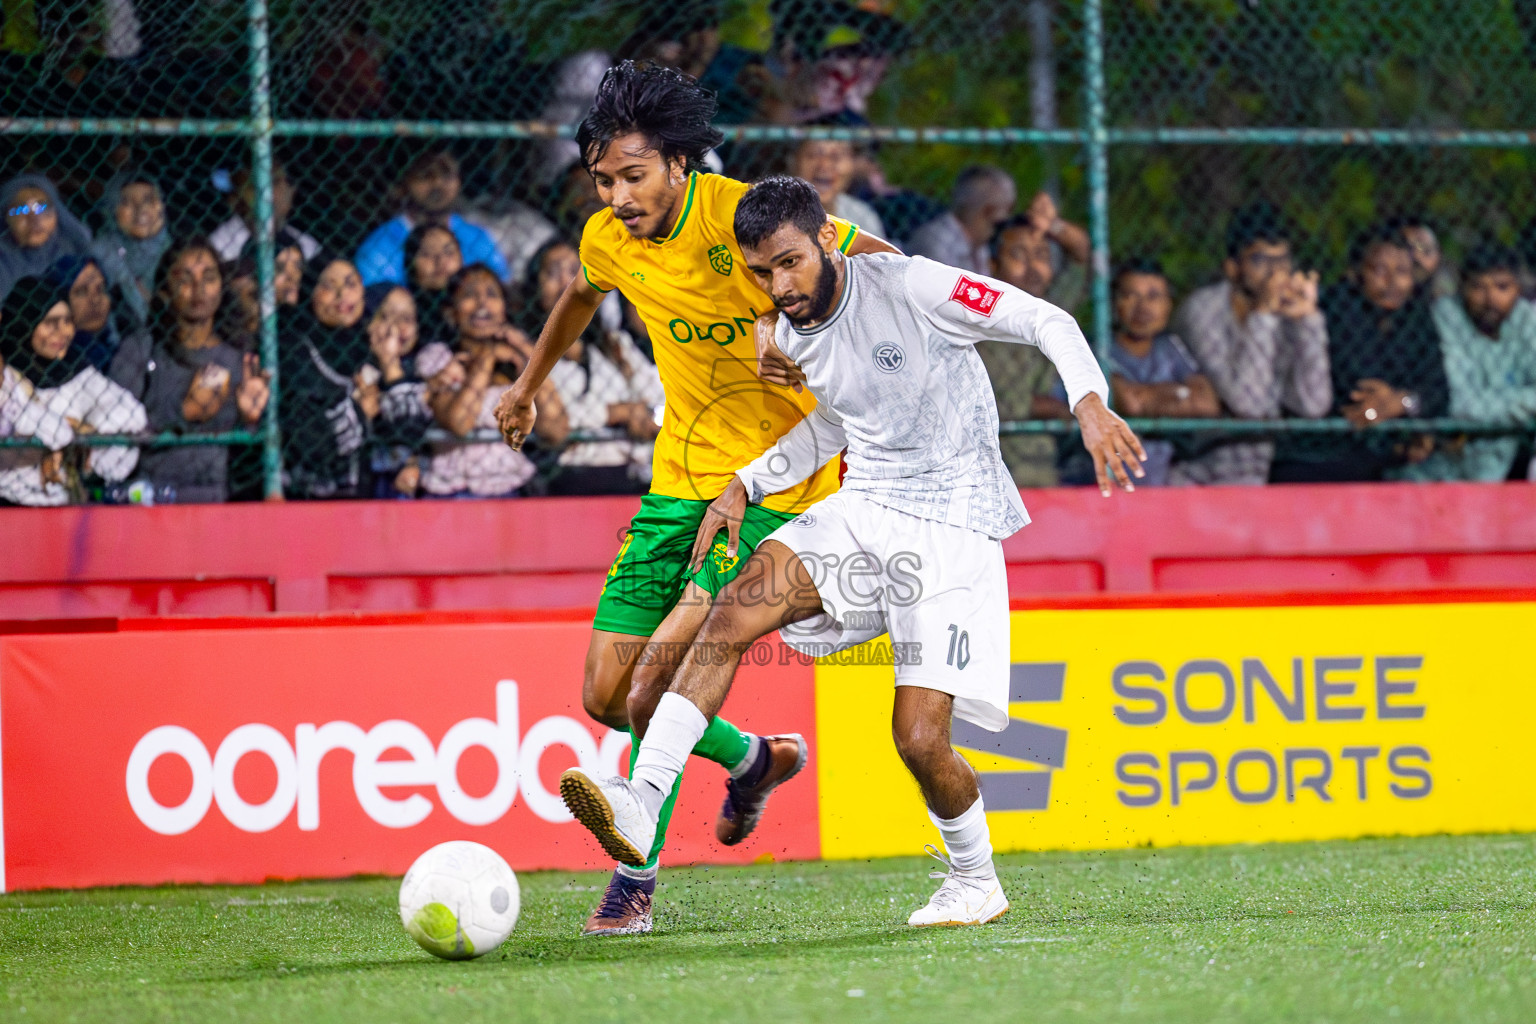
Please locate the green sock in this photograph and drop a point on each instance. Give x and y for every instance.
(721, 743)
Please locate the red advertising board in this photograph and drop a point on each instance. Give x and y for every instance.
(239, 751)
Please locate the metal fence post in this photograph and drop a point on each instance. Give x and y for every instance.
(261, 176)
(1098, 173)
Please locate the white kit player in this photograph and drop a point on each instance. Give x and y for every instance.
(911, 544)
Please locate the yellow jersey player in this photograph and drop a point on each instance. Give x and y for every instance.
(666, 241)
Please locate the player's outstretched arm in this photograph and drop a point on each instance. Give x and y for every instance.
(1115, 448)
(572, 313)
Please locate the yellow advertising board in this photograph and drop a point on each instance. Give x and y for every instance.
(1188, 725)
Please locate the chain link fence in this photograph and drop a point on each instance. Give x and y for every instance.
(302, 246)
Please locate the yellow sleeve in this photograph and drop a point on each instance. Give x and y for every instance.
(846, 233)
(595, 258)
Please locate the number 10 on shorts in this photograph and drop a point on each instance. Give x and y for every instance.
(959, 647)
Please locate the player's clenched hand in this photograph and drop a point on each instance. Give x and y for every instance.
(515, 415)
(773, 365)
(1114, 446)
(725, 512)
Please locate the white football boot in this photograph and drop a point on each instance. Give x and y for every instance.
(613, 812)
(962, 899)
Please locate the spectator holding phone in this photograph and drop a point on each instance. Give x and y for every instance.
(189, 378)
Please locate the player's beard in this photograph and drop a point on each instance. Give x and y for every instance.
(821, 299)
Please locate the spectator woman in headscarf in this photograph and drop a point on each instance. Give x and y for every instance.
(67, 397)
(610, 389)
(98, 333)
(241, 319)
(432, 256)
(189, 378)
(23, 414)
(390, 393)
(38, 230)
(287, 273)
(133, 237)
(242, 326)
(465, 386)
(322, 344)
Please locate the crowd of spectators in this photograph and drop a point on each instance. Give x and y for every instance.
(395, 341)
(1400, 335)
(392, 357)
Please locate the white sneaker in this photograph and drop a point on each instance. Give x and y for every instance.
(962, 899)
(613, 812)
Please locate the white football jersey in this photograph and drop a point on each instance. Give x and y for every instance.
(899, 384)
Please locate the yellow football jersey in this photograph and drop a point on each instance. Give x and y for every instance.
(699, 302)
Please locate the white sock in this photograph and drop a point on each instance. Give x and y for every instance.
(674, 731)
(740, 768)
(638, 874)
(967, 840)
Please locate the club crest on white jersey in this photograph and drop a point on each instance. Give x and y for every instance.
(889, 357)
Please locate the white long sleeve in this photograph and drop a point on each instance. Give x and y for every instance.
(25, 413)
(108, 408)
(969, 307)
(808, 446)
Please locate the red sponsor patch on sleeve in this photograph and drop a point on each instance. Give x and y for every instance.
(976, 296)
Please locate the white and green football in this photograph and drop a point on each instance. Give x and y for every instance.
(459, 900)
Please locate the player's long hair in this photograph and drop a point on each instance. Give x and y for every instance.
(663, 104)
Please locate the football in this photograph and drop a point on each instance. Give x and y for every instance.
(459, 900)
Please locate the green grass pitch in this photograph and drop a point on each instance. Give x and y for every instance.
(1439, 929)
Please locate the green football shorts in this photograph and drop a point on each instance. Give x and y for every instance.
(651, 570)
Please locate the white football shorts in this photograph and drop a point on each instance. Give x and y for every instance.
(941, 592)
